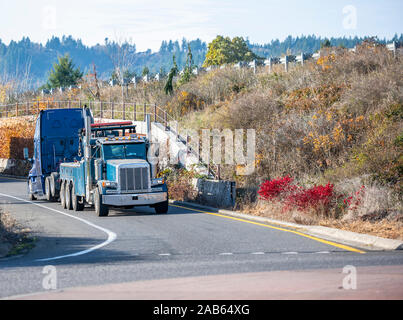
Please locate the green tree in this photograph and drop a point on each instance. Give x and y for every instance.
(224, 50)
(169, 89)
(64, 74)
(187, 71)
(146, 71)
(325, 44)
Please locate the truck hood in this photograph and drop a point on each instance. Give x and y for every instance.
(113, 165)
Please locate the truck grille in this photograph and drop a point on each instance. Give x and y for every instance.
(133, 179)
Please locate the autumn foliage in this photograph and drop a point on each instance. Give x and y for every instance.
(15, 135)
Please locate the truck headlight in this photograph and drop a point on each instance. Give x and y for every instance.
(156, 182)
(109, 184)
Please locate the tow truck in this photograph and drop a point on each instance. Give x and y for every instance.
(115, 170)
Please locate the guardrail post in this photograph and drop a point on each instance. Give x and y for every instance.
(16, 109)
(113, 110)
(145, 111)
(134, 112)
(155, 112)
(101, 111)
(124, 111)
(166, 120)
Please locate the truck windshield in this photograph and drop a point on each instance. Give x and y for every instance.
(124, 151)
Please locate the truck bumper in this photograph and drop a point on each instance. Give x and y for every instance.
(140, 199)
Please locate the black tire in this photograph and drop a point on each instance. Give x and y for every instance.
(100, 209)
(53, 190)
(67, 193)
(162, 207)
(63, 194)
(48, 192)
(31, 196)
(76, 201)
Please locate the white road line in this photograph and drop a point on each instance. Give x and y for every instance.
(226, 254)
(111, 235)
(164, 254)
(322, 252)
(292, 252)
(257, 253)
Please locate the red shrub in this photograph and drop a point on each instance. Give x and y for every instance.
(311, 198)
(272, 189)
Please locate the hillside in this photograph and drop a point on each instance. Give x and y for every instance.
(328, 135)
(28, 63)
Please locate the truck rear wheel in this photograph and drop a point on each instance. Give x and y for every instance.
(63, 194)
(53, 191)
(31, 195)
(77, 203)
(162, 207)
(67, 189)
(101, 209)
(48, 191)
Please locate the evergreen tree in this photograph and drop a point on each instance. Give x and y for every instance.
(169, 89)
(187, 71)
(146, 71)
(64, 74)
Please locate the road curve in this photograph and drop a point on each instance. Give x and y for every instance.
(137, 245)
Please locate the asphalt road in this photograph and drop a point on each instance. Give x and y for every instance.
(136, 246)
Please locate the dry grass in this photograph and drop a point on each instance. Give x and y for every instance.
(14, 238)
(391, 228)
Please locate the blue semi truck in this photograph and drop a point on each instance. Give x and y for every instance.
(110, 167)
(56, 141)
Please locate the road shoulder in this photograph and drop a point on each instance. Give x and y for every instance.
(363, 241)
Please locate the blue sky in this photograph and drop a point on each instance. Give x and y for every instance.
(148, 22)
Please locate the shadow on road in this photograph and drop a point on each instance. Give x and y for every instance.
(51, 247)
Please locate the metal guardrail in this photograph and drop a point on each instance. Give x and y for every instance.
(101, 109)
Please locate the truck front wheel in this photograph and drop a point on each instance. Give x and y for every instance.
(100, 209)
(161, 207)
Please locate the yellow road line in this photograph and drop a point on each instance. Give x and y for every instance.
(334, 244)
